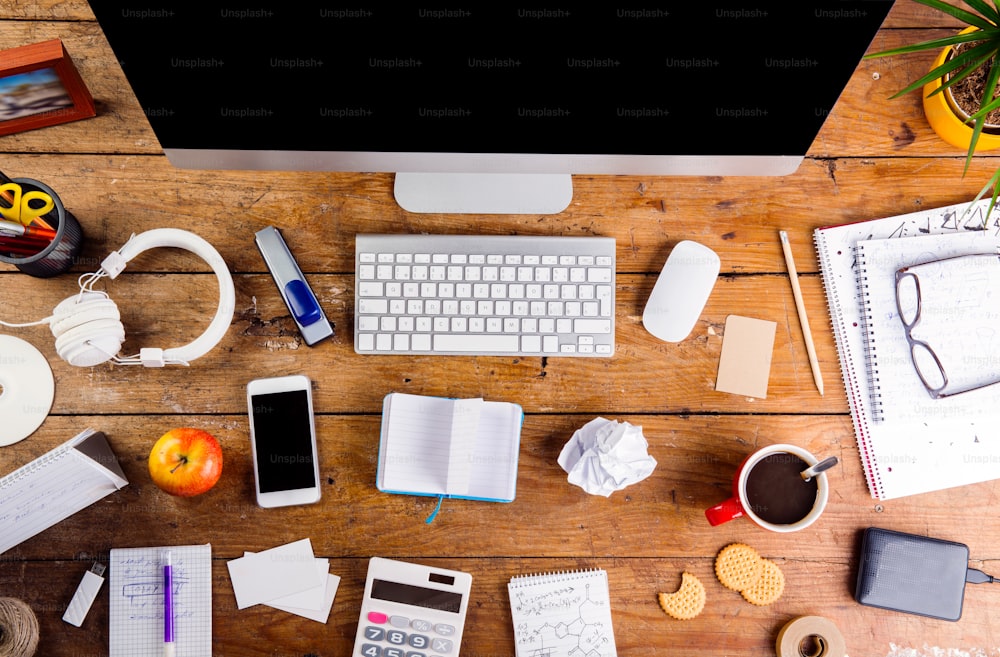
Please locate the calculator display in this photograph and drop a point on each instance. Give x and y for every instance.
(417, 596)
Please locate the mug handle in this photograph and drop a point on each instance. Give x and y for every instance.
(731, 509)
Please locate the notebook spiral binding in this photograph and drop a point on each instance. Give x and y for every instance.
(553, 576)
(871, 358)
(29, 468)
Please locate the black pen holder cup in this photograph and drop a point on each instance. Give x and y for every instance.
(62, 251)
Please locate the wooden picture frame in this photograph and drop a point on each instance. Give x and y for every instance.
(39, 87)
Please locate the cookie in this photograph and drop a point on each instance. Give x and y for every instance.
(738, 566)
(687, 602)
(768, 587)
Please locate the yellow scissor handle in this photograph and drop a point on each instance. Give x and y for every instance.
(21, 210)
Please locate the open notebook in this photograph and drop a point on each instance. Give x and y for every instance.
(905, 448)
(464, 448)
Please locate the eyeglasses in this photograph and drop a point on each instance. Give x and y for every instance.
(909, 305)
(925, 361)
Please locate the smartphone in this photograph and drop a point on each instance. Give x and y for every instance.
(283, 441)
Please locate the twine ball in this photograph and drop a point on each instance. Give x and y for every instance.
(18, 629)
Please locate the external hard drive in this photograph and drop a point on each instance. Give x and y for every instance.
(913, 574)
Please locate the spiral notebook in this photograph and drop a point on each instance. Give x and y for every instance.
(902, 454)
(56, 485)
(562, 614)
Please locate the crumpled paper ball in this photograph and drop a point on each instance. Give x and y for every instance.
(606, 455)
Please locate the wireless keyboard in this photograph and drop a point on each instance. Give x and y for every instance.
(484, 295)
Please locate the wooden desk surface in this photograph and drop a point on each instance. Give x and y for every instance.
(875, 157)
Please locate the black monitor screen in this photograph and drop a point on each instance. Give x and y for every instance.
(702, 78)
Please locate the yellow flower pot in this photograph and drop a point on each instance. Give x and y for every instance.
(948, 125)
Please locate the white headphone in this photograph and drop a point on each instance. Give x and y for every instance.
(87, 326)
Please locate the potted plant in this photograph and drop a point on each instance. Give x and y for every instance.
(966, 61)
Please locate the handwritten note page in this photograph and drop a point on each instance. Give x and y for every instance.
(136, 587)
(893, 467)
(562, 614)
(53, 487)
(958, 320)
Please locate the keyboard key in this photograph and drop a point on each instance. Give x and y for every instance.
(476, 343)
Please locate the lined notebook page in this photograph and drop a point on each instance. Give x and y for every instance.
(494, 457)
(136, 587)
(50, 489)
(562, 614)
(420, 432)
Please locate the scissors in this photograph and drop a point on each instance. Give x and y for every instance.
(22, 210)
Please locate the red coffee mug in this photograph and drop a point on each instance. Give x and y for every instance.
(738, 506)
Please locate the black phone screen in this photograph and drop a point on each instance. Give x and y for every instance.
(283, 436)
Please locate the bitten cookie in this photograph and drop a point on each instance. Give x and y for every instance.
(768, 587)
(687, 602)
(738, 566)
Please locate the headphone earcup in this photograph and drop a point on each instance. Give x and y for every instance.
(88, 329)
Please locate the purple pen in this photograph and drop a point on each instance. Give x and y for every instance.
(168, 605)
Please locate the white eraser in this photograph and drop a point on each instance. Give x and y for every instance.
(84, 597)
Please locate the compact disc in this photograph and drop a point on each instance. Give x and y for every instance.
(26, 389)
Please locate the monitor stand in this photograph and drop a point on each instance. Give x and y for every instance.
(483, 193)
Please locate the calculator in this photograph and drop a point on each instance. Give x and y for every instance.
(410, 610)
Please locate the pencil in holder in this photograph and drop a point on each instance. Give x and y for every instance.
(59, 254)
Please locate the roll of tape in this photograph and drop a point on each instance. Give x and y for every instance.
(810, 636)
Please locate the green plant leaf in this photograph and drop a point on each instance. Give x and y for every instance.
(961, 14)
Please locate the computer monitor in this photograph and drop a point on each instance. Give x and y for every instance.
(517, 96)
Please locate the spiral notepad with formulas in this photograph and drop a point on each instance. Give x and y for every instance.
(562, 614)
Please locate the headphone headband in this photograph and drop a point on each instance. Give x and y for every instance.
(87, 327)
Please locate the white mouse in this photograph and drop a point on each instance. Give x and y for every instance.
(681, 291)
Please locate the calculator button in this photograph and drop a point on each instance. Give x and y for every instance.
(396, 637)
(421, 625)
(374, 633)
(444, 629)
(377, 617)
(415, 654)
(394, 652)
(441, 645)
(371, 650)
(419, 641)
(399, 621)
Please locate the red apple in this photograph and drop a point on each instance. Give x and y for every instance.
(185, 462)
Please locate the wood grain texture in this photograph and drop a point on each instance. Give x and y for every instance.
(874, 157)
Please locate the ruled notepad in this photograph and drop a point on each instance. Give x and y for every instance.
(900, 457)
(56, 485)
(464, 448)
(136, 608)
(565, 613)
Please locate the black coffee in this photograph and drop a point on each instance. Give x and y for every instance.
(777, 493)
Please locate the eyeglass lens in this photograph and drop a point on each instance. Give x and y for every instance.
(908, 299)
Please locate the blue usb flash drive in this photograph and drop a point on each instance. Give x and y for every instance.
(298, 296)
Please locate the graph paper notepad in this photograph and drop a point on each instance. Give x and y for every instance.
(136, 585)
(562, 614)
